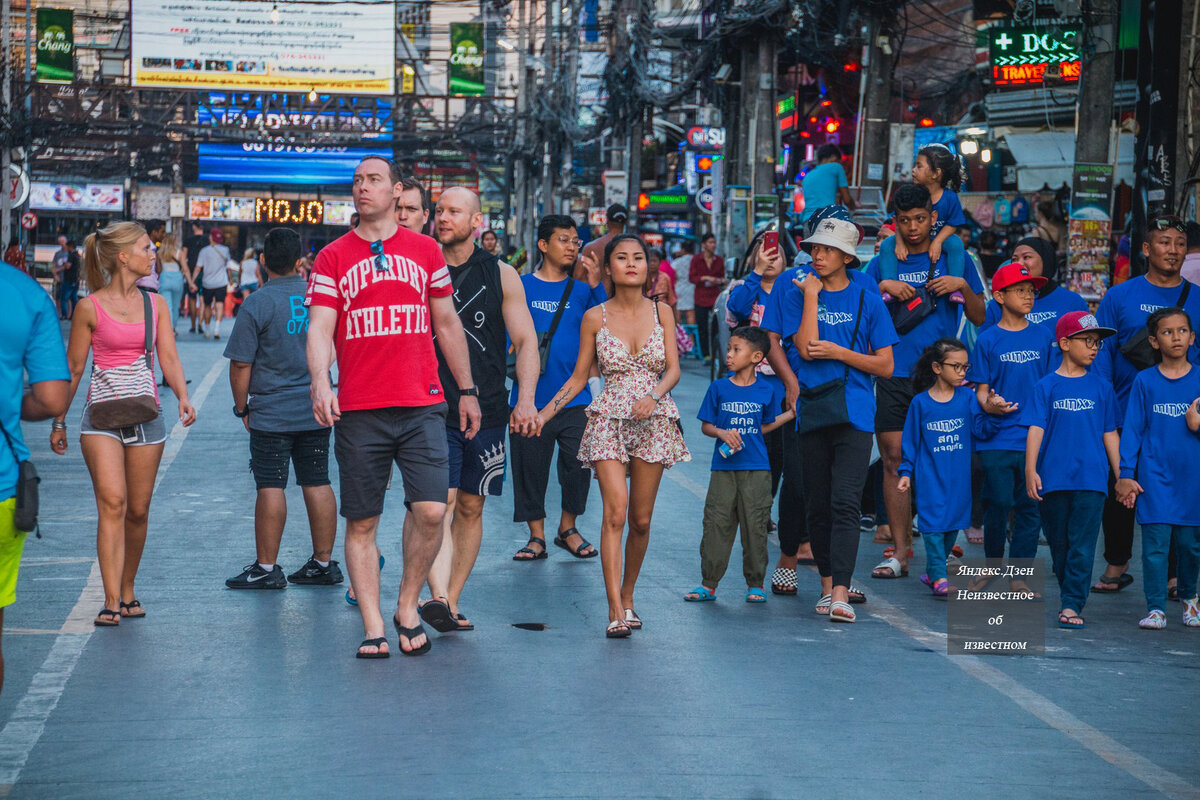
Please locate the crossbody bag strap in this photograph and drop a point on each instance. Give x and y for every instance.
(1183, 296)
(558, 312)
(862, 293)
(148, 308)
(11, 446)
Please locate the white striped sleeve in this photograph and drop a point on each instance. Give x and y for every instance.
(439, 283)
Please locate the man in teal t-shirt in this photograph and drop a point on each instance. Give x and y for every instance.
(825, 184)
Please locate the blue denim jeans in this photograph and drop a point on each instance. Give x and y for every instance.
(1071, 521)
(1156, 544)
(937, 547)
(1004, 491)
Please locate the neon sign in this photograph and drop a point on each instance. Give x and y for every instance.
(1021, 56)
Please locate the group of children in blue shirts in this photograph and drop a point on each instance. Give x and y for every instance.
(1065, 425)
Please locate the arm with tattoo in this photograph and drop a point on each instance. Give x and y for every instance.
(583, 367)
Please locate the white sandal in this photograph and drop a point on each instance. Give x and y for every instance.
(1156, 620)
(893, 566)
(1191, 612)
(847, 614)
(632, 620)
(824, 602)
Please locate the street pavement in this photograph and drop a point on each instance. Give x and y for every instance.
(218, 693)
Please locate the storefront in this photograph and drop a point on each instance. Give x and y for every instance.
(245, 219)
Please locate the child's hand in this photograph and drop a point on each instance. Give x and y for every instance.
(1193, 416)
(1127, 490)
(904, 484)
(897, 289)
(935, 252)
(902, 249)
(1033, 485)
(997, 405)
(731, 438)
(946, 284)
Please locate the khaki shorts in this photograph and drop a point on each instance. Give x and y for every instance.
(12, 544)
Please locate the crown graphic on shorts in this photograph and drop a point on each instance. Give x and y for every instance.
(493, 456)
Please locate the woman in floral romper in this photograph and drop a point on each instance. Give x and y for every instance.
(633, 426)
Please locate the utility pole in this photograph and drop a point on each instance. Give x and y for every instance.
(636, 132)
(762, 168)
(873, 142)
(6, 144)
(1093, 122)
(27, 139)
(519, 170)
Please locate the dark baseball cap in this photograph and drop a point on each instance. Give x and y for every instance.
(617, 213)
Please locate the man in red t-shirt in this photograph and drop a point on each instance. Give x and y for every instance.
(707, 272)
(374, 295)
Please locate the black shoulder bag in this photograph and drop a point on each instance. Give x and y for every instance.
(26, 513)
(825, 406)
(547, 337)
(1138, 350)
(907, 314)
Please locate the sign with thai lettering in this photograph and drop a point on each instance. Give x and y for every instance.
(55, 45)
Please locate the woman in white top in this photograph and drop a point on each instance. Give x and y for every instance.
(248, 281)
(170, 278)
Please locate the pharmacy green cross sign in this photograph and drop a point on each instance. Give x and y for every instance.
(1021, 55)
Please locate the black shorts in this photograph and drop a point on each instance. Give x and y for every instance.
(368, 442)
(214, 295)
(477, 464)
(308, 451)
(192, 293)
(893, 396)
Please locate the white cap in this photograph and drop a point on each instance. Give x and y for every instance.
(839, 234)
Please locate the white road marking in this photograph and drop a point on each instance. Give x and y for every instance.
(1137, 766)
(23, 730)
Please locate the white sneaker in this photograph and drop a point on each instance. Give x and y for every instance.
(1156, 620)
(1191, 612)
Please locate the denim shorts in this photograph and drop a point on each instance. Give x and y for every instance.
(308, 452)
(152, 432)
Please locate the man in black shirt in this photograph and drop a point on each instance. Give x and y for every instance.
(192, 246)
(490, 301)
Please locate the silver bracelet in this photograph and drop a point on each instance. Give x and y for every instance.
(56, 425)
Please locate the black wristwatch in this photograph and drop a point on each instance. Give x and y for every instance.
(470, 391)
(241, 414)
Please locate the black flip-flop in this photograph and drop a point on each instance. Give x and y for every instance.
(377, 643)
(561, 541)
(437, 613)
(459, 618)
(1105, 585)
(534, 555)
(130, 607)
(107, 612)
(410, 634)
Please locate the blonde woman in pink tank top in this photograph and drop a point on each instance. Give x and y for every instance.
(110, 323)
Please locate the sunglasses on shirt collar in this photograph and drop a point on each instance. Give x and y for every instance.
(380, 262)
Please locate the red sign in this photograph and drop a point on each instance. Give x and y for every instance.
(29, 220)
(706, 137)
(1021, 74)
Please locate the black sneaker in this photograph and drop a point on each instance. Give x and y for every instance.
(255, 577)
(313, 574)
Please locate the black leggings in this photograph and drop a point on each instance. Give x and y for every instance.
(704, 321)
(793, 527)
(1118, 529)
(835, 470)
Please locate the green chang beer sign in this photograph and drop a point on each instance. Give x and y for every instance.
(466, 58)
(55, 45)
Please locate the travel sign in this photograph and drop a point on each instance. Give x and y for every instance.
(1020, 56)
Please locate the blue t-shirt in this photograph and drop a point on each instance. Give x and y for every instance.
(944, 320)
(936, 450)
(543, 297)
(784, 290)
(1046, 311)
(1157, 445)
(33, 344)
(1011, 363)
(1074, 414)
(1126, 307)
(949, 212)
(744, 409)
(820, 186)
(836, 317)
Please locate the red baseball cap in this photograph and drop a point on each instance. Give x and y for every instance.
(1012, 274)
(1076, 322)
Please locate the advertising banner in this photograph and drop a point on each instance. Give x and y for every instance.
(466, 58)
(1090, 230)
(77, 196)
(269, 163)
(55, 45)
(336, 47)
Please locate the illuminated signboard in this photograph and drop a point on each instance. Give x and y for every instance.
(701, 163)
(371, 115)
(270, 211)
(1020, 56)
(785, 112)
(281, 164)
(663, 202)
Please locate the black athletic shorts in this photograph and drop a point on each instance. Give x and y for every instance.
(893, 396)
(308, 451)
(368, 442)
(477, 464)
(214, 295)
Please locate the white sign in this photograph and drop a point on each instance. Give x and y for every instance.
(177, 205)
(77, 196)
(704, 199)
(18, 184)
(616, 187)
(327, 47)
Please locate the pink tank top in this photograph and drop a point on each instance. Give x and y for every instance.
(118, 344)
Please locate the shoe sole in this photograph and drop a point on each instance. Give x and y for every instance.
(315, 581)
(256, 586)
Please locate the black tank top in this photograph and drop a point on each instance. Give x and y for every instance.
(478, 299)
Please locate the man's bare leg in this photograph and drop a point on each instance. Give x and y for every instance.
(439, 573)
(466, 533)
(422, 540)
(362, 562)
(322, 520)
(899, 504)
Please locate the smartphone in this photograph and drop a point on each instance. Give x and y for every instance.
(770, 241)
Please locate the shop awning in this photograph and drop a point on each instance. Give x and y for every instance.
(1047, 159)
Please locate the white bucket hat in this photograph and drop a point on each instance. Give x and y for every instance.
(839, 234)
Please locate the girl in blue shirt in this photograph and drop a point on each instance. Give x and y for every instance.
(937, 452)
(939, 171)
(1165, 457)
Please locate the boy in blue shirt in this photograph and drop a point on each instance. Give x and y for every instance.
(1165, 458)
(1009, 359)
(1072, 436)
(903, 281)
(737, 411)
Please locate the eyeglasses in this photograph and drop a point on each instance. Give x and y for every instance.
(568, 242)
(1091, 342)
(961, 369)
(1168, 223)
(377, 249)
(1022, 291)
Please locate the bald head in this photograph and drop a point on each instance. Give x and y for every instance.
(461, 197)
(457, 217)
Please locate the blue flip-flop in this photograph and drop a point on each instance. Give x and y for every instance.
(756, 596)
(350, 599)
(702, 595)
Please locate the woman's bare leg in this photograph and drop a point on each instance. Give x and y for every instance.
(141, 468)
(105, 459)
(643, 490)
(615, 496)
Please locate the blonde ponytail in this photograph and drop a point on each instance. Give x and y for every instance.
(100, 251)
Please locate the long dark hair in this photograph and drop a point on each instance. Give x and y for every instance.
(923, 376)
(940, 158)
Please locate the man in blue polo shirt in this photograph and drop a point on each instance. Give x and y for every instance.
(32, 345)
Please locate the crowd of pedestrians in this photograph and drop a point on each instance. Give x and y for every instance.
(1075, 422)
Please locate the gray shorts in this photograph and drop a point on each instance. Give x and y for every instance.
(152, 432)
(367, 443)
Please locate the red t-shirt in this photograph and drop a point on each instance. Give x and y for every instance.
(384, 342)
